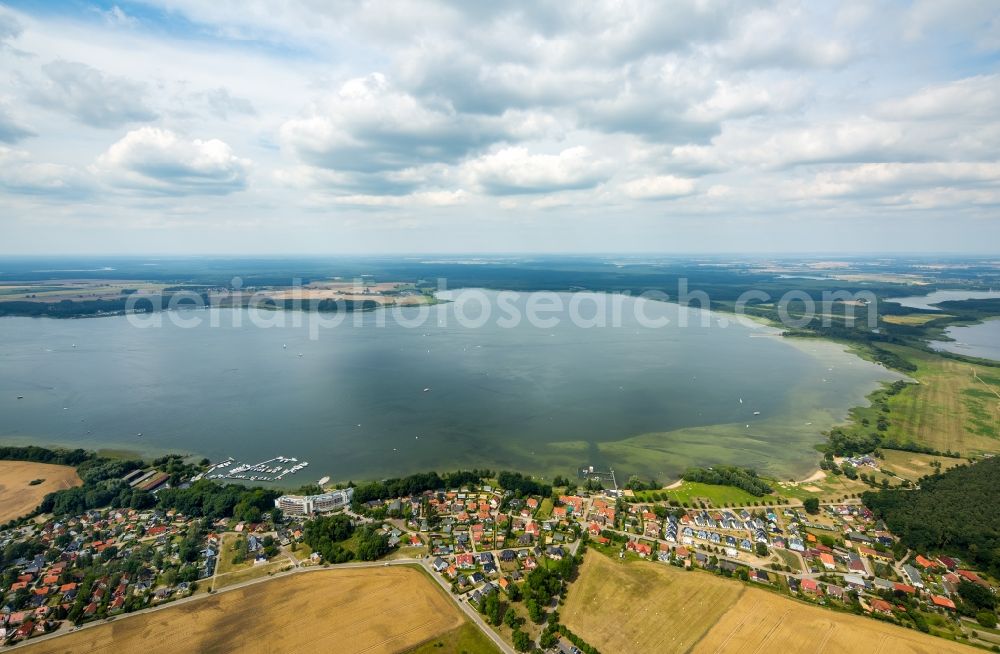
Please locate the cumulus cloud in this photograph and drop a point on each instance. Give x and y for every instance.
(368, 126)
(514, 170)
(658, 187)
(971, 98)
(438, 198)
(158, 161)
(760, 108)
(20, 175)
(891, 179)
(859, 140)
(782, 38)
(12, 130)
(90, 96)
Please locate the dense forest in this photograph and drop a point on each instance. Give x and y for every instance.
(742, 478)
(956, 512)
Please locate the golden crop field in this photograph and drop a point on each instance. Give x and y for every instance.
(371, 610)
(18, 497)
(764, 622)
(640, 606)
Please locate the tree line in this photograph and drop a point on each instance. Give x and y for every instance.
(416, 484)
(743, 478)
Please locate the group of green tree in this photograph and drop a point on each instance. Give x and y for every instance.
(329, 305)
(416, 484)
(103, 487)
(537, 590)
(957, 512)
(522, 485)
(743, 478)
(76, 308)
(206, 498)
(327, 536)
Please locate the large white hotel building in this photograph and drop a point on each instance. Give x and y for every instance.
(309, 504)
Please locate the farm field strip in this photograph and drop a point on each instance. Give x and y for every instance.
(18, 497)
(358, 611)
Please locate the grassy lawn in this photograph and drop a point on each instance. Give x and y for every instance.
(691, 492)
(227, 552)
(789, 559)
(253, 572)
(302, 552)
(408, 553)
(467, 639)
(545, 509)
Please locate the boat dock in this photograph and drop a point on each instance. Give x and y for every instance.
(270, 470)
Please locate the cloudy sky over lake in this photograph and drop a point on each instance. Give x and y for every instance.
(228, 126)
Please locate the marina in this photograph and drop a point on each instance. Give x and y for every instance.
(270, 470)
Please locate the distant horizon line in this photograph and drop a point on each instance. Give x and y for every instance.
(581, 254)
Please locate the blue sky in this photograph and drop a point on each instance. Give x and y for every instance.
(324, 127)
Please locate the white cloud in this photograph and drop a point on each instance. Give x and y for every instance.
(12, 130)
(973, 97)
(514, 170)
(419, 199)
(116, 16)
(658, 187)
(889, 179)
(782, 37)
(369, 126)
(19, 174)
(90, 96)
(772, 109)
(157, 161)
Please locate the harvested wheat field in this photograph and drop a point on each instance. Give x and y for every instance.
(370, 610)
(18, 497)
(643, 607)
(765, 622)
(639, 606)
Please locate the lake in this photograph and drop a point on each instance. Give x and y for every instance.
(374, 399)
(981, 340)
(927, 302)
